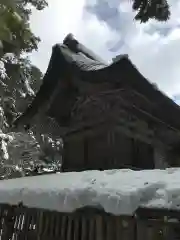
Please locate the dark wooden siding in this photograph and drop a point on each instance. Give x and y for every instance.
(106, 150)
(143, 155)
(20, 222)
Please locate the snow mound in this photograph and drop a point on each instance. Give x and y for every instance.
(115, 191)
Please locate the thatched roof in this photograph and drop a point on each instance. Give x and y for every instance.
(73, 60)
(123, 73)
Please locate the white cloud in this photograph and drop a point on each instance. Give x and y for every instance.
(153, 47)
(52, 24)
(59, 19)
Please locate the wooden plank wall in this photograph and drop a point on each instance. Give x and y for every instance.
(106, 150)
(19, 223)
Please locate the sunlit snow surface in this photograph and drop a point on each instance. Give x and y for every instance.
(116, 191)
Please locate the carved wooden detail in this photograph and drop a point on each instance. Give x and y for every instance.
(127, 110)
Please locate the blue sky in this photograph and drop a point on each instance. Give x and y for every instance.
(108, 28)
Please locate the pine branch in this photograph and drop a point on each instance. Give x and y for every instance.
(151, 9)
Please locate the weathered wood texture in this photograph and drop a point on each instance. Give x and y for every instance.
(123, 107)
(117, 129)
(106, 149)
(17, 222)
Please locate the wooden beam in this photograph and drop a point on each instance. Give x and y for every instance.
(130, 129)
(128, 115)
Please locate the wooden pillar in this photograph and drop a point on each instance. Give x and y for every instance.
(73, 154)
(142, 155)
(160, 157)
(86, 162)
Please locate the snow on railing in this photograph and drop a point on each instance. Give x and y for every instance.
(119, 192)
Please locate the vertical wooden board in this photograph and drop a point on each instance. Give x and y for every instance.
(58, 225)
(26, 224)
(160, 157)
(155, 230)
(142, 155)
(84, 228)
(33, 220)
(52, 225)
(173, 230)
(118, 227)
(19, 226)
(39, 225)
(73, 154)
(69, 228)
(99, 228)
(100, 150)
(77, 228)
(122, 149)
(128, 230)
(91, 225)
(48, 227)
(150, 230)
(109, 228)
(63, 235)
(8, 225)
(141, 230)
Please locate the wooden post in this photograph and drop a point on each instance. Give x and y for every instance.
(160, 157)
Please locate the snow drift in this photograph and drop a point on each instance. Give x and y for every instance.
(115, 191)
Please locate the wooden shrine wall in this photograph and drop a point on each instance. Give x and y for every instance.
(106, 150)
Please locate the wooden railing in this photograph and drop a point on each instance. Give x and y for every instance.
(19, 222)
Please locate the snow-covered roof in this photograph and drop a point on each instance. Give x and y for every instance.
(116, 191)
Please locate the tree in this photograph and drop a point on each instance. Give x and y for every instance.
(151, 9)
(16, 40)
(15, 33)
(19, 81)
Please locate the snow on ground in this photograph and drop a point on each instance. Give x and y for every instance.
(116, 191)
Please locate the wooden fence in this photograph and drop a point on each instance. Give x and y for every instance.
(20, 223)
